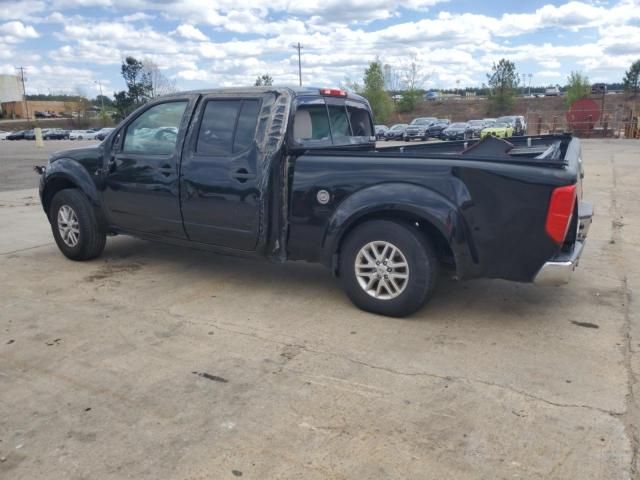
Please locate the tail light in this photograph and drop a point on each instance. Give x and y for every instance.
(559, 214)
(333, 92)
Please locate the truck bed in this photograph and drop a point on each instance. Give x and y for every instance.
(543, 150)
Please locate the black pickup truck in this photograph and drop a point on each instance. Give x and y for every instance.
(295, 174)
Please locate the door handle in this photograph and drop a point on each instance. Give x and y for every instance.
(242, 175)
(166, 170)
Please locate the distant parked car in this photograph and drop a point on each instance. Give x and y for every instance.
(517, 122)
(599, 89)
(418, 128)
(29, 135)
(3, 135)
(102, 133)
(395, 132)
(458, 131)
(552, 92)
(19, 135)
(55, 134)
(82, 135)
(380, 130)
(436, 128)
(498, 129)
(477, 126)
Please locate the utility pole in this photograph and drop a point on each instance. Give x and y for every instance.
(530, 76)
(299, 47)
(101, 101)
(24, 92)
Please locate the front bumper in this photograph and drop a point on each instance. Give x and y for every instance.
(415, 134)
(558, 270)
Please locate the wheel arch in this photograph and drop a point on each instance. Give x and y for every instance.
(434, 215)
(67, 173)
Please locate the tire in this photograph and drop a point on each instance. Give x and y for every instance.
(89, 238)
(414, 248)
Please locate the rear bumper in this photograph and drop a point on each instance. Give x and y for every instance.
(558, 270)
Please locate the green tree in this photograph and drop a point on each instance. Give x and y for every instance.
(375, 93)
(578, 87)
(102, 99)
(631, 79)
(139, 87)
(137, 80)
(264, 80)
(123, 104)
(503, 81)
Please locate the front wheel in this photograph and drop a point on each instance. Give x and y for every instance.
(75, 227)
(388, 267)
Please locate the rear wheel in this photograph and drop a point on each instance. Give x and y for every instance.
(388, 267)
(75, 227)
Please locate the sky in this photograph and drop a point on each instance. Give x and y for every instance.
(76, 46)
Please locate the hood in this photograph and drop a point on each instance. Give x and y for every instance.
(89, 157)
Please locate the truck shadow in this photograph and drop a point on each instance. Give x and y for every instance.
(493, 300)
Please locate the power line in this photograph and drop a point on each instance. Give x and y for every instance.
(299, 47)
(24, 91)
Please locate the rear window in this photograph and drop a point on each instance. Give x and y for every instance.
(337, 122)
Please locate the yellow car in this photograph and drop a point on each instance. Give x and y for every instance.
(502, 130)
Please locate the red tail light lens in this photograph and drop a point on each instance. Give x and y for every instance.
(559, 214)
(333, 92)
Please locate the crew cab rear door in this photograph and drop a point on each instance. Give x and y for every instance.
(219, 173)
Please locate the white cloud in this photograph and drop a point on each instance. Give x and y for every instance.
(137, 17)
(190, 33)
(14, 32)
(231, 42)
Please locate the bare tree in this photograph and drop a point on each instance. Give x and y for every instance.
(413, 78)
(160, 84)
(392, 80)
(412, 82)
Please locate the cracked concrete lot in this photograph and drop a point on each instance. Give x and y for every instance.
(155, 362)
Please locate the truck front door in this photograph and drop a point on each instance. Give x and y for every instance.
(219, 174)
(141, 170)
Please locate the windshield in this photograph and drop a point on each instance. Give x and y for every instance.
(331, 122)
(504, 119)
(458, 125)
(476, 122)
(422, 121)
(500, 125)
(398, 126)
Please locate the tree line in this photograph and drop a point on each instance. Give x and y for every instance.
(503, 82)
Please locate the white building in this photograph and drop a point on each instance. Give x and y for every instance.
(10, 89)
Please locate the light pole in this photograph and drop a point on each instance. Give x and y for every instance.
(24, 92)
(299, 47)
(101, 101)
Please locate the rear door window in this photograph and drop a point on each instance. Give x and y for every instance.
(227, 126)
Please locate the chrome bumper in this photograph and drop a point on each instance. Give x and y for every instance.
(558, 271)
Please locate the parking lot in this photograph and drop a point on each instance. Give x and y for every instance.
(156, 362)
